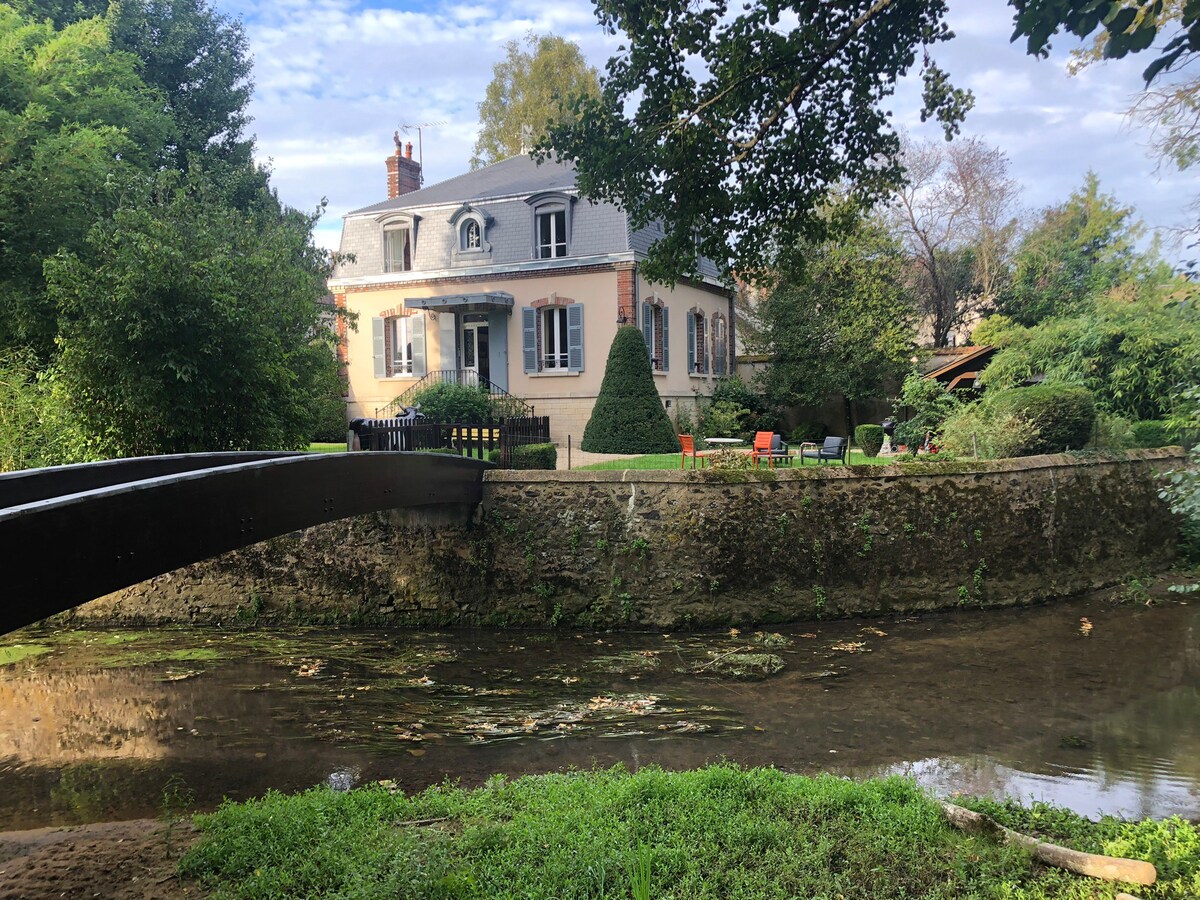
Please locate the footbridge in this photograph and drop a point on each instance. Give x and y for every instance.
(69, 534)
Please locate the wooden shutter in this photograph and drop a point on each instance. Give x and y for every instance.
(378, 346)
(691, 342)
(529, 338)
(648, 328)
(417, 324)
(575, 337)
(666, 342)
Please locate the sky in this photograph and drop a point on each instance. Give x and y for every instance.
(335, 78)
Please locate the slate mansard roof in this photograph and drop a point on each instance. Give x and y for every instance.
(499, 191)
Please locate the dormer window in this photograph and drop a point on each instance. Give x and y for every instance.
(399, 237)
(470, 224)
(551, 224)
(470, 235)
(397, 249)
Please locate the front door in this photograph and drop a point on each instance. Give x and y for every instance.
(475, 354)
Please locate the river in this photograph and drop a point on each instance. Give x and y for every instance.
(1091, 704)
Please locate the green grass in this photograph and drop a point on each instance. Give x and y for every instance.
(719, 832)
(671, 461)
(17, 652)
(327, 448)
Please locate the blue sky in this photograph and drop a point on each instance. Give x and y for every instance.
(335, 78)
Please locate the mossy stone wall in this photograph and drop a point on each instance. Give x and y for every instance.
(680, 549)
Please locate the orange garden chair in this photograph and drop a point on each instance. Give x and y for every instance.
(688, 445)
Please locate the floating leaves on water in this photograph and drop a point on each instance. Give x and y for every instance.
(733, 632)
(423, 681)
(310, 667)
(851, 647)
(1085, 626)
(742, 665)
(807, 634)
(871, 629)
(684, 727)
(637, 705)
(624, 663)
(771, 639)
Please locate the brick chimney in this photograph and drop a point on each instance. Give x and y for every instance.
(403, 172)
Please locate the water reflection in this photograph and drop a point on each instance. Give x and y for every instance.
(1023, 702)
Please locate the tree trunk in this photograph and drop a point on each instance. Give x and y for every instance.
(1109, 868)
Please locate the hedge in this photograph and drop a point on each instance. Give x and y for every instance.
(869, 439)
(1063, 416)
(535, 456)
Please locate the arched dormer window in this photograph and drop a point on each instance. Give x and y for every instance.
(398, 233)
(470, 235)
(551, 224)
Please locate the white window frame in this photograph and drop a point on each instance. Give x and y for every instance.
(401, 362)
(548, 205)
(553, 320)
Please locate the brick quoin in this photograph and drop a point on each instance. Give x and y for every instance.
(627, 293)
(340, 329)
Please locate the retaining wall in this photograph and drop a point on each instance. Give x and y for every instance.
(680, 549)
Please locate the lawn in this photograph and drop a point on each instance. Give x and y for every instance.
(715, 833)
(327, 448)
(671, 461)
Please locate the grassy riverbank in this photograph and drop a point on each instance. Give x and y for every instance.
(719, 832)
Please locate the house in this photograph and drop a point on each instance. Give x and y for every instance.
(508, 278)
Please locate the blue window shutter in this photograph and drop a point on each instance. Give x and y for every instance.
(417, 324)
(666, 342)
(529, 337)
(648, 328)
(691, 341)
(575, 337)
(377, 346)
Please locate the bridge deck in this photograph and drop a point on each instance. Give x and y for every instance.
(74, 533)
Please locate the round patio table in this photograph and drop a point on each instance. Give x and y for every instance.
(727, 442)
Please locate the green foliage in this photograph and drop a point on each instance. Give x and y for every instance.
(1153, 433)
(756, 414)
(719, 123)
(530, 90)
(535, 456)
(77, 124)
(724, 419)
(712, 833)
(192, 325)
(628, 416)
(869, 438)
(840, 321)
(978, 429)
(35, 428)
(1133, 353)
(1182, 487)
(1062, 416)
(1112, 432)
(450, 402)
(811, 432)
(1079, 250)
(927, 404)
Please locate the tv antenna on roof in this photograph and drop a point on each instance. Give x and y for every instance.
(407, 129)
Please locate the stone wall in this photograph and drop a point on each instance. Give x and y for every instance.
(679, 549)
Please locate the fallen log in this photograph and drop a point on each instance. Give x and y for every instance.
(1109, 868)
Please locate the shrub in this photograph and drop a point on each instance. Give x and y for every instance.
(1112, 432)
(535, 456)
(723, 419)
(869, 439)
(976, 429)
(1153, 433)
(927, 405)
(1062, 415)
(628, 416)
(684, 423)
(449, 402)
(810, 432)
(495, 456)
(729, 459)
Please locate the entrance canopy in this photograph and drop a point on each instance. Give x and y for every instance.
(462, 303)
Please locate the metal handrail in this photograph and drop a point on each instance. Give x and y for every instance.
(514, 406)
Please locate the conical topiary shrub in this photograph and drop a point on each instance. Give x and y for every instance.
(628, 416)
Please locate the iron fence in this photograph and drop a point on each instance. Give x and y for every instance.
(464, 438)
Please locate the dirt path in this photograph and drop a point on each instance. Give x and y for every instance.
(112, 860)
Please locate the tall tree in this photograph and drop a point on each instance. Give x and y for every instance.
(1078, 251)
(77, 125)
(192, 325)
(733, 126)
(840, 322)
(530, 91)
(955, 218)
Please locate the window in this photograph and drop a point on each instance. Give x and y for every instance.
(398, 346)
(402, 355)
(552, 234)
(470, 235)
(654, 330)
(551, 224)
(697, 355)
(397, 249)
(552, 338)
(720, 337)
